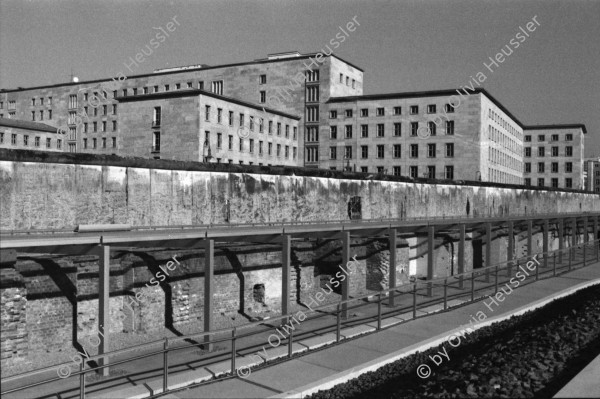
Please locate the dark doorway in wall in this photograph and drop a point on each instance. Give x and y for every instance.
(258, 293)
(355, 208)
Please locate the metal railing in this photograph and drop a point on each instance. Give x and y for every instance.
(471, 285)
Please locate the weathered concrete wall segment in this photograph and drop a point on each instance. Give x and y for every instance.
(37, 195)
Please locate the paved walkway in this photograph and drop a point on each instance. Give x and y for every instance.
(585, 384)
(334, 363)
(340, 363)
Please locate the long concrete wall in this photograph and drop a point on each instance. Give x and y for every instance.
(38, 195)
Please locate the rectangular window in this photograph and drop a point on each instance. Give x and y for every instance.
(431, 126)
(189, 85)
(449, 108)
(541, 151)
(260, 147)
(37, 141)
(261, 125)
(397, 150)
(449, 172)
(104, 142)
(332, 152)
(348, 113)
(380, 151)
(380, 111)
(450, 128)
(167, 87)
(278, 150)
(527, 167)
(380, 130)
(270, 127)
(295, 133)
(230, 143)
(554, 151)
(312, 94)
(528, 138)
(569, 167)
(207, 112)
(219, 140)
(156, 89)
(397, 129)
(312, 76)
(279, 128)
(431, 109)
(50, 114)
(333, 132)
(94, 143)
(341, 78)
(262, 79)
(287, 131)
(541, 182)
(348, 130)
(414, 109)
(217, 87)
(364, 112)
(396, 171)
(95, 126)
(431, 172)
(41, 115)
(541, 167)
(251, 123)
(85, 143)
(73, 101)
(528, 181)
(85, 127)
(59, 144)
(263, 97)
(270, 149)
(32, 115)
(569, 151)
(554, 167)
(414, 129)
(397, 110)
(348, 152)
(569, 182)
(230, 118)
(135, 91)
(201, 85)
(569, 137)
(219, 115)
(114, 109)
(364, 151)
(332, 114)
(414, 172)
(312, 113)
(353, 84)
(554, 137)
(104, 126)
(312, 134)
(312, 154)
(241, 147)
(528, 152)
(431, 150)
(541, 137)
(449, 150)
(294, 152)
(364, 131)
(157, 116)
(287, 151)
(414, 151)
(251, 149)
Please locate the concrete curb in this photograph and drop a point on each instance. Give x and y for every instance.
(347, 375)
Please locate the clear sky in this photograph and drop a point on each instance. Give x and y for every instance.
(552, 77)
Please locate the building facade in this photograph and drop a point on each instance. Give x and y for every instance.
(24, 135)
(553, 156)
(294, 83)
(591, 172)
(200, 126)
(435, 134)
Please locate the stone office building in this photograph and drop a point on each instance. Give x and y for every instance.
(434, 134)
(293, 83)
(553, 156)
(25, 135)
(201, 126)
(591, 172)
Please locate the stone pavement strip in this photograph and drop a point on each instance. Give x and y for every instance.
(336, 364)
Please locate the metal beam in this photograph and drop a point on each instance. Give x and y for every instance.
(346, 282)
(561, 239)
(286, 251)
(461, 256)
(529, 238)
(103, 253)
(545, 238)
(209, 271)
(488, 250)
(510, 252)
(392, 279)
(430, 259)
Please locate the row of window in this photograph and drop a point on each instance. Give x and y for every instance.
(396, 151)
(497, 136)
(554, 137)
(380, 111)
(505, 124)
(312, 132)
(103, 126)
(35, 102)
(498, 157)
(11, 115)
(541, 167)
(41, 115)
(500, 176)
(85, 113)
(413, 171)
(541, 182)
(241, 146)
(554, 151)
(242, 122)
(94, 143)
(342, 76)
(36, 141)
(12, 105)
